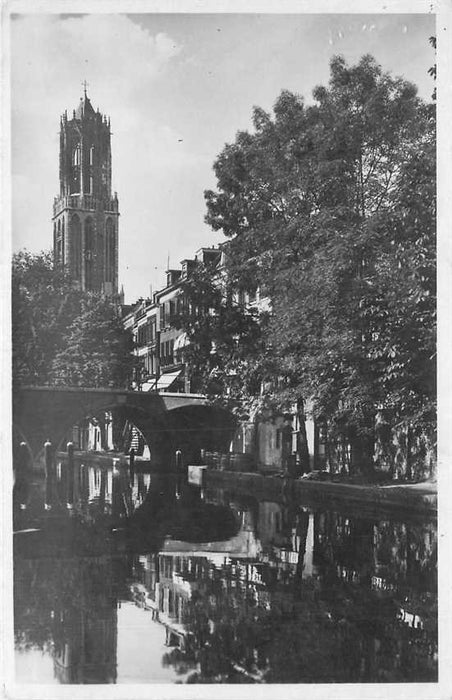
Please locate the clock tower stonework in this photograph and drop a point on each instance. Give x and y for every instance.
(85, 214)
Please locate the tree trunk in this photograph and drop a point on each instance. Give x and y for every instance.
(362, 450)
(303, 449)
(408, 469)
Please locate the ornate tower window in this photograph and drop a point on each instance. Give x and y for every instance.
(59, 257)
(89, 250)
(110, 251)
(76, 237)
(91, 170)
(76, 155)
(76, 168)
(62, 242)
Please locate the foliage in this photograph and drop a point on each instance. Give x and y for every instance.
(43, 306)
(225, 337)
(61, 335)
(330, 209)
(96, 351)
(432, 69)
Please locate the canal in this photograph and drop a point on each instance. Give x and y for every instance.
(124, 577)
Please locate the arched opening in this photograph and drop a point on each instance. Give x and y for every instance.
(62, 242)
(58, 250)
(89, 252)
(75, 174)
(76, 235)
(110, 251)
(201, 428)
(111, 430)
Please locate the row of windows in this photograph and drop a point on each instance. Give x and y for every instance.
(171, 308)
(167, 357)
(147, 332)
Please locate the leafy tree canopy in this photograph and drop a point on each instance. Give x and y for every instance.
(225, 338)
(330, 209)
(61, 335)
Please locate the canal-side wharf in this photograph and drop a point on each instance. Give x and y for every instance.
(407, 500)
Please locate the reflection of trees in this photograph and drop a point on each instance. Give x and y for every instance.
(337, 633)
(406, 555)
(182, 662)
(173, 508)
(335, 626)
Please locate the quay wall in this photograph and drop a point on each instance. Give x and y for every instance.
(373, 501)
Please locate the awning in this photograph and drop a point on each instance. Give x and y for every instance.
(166, 380)
(181, 341)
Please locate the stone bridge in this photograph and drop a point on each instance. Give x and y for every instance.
(167, 421)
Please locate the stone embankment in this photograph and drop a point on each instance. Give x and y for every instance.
(407, 500)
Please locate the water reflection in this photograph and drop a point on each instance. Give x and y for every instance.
(218, 587)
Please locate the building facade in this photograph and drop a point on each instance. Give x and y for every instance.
(159, 343)
(86, 213)
(273, 442)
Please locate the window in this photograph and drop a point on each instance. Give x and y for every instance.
(89, 249)
(75, 235)
(76, 167)
(110, 251)
(141, 335)
(76, 157)
(89, 235)
(59, 243)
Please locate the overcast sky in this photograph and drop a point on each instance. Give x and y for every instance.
(177, 88)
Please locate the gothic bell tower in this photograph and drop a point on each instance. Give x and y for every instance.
(85, 214)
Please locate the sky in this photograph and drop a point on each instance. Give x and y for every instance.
(177, 87)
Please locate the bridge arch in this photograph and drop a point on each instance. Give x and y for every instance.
(48, 413)
(200, 427)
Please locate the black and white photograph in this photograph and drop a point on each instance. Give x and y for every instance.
(220, 290)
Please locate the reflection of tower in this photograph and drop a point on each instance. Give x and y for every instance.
(86, 633)
(85, 215)
(309, 569)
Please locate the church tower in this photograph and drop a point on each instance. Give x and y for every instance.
(85, 214)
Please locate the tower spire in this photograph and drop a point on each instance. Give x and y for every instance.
(85, 85)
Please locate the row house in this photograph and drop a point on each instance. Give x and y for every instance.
(159, 343)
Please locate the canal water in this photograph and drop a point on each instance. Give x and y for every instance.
(123, 577)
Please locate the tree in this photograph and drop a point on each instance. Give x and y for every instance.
(324, 206)
(61, 335)
(225, 338)
(44, 304)
(96, 349)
